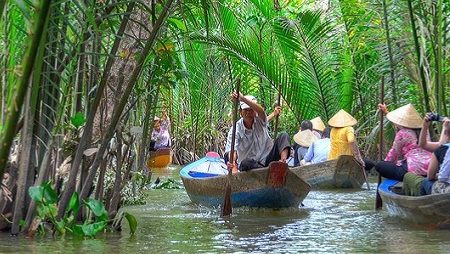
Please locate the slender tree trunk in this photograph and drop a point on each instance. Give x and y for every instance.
(116, 196)
(419, 60)
(123, 101)
(24, 166)
(391, 58)
(145, 131)
(101, 179)
(86, 137)
(42, 176)
(22, 83)
(439, 77)
(2, 8)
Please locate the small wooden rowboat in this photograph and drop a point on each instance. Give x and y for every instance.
(272, 187)
(160, 159)
(344, 172)
(432, 209)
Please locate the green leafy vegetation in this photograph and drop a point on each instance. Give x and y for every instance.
(46, 199)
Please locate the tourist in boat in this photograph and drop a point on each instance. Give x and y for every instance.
(438, 177)
(319, 149)
(342, 137)
(317, 127)
(253, 146)
(160, 135)
(405, 155)
(305, 125)
(303, 139)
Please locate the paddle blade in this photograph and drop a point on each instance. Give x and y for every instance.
(378, 201)
(226, 207)
(276, 175)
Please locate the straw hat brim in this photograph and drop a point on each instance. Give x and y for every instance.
(305, 138)
(342, 119)
(406, 116)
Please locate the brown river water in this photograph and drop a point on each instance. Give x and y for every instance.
(329, 222)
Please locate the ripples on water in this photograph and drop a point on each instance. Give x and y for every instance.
(330, 221)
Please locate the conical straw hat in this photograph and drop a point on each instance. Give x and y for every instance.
(305, 138)
(318, 124)
(406, 116)
(342, 119)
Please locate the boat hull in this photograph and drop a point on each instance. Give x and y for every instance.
(429, 209)
(250, 188)
(344, 172)
(160, 159)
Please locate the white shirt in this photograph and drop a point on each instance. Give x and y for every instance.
(254, 143)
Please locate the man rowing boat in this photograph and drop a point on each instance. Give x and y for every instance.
(253, 146)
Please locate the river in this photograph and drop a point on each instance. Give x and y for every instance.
(329, 221)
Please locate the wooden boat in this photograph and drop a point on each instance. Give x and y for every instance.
(272, 187)
(433, 208)
(344, 172)
(160, 159)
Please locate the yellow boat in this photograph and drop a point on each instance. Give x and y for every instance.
(160, 159)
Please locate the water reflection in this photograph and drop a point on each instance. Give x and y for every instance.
(330, 221)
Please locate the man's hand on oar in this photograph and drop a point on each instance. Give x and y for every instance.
(227, 206)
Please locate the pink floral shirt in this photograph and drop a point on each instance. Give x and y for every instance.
(405, 147)
(162, 137)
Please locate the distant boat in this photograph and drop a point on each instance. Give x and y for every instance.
(272, 187)
(433, 208)
(160, 159)
(344, 172)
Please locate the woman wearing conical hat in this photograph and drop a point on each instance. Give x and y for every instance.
(318, 150)
(304, 139)
(318, 126)
(405, 155)
(343, 141)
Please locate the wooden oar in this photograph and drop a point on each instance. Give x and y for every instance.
(226, 207)
(275, 132)
(378, 201)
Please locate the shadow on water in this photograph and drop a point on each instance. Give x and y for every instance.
(330, 221)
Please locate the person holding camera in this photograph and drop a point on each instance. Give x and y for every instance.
(439, 167)
(405, 155)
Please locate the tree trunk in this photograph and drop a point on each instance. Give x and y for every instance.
(22, 84)
(24, 166)
(86, 137)
(123, 101)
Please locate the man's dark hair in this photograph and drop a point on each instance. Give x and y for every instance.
(306, 125)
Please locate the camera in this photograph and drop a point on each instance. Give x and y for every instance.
(435, 117)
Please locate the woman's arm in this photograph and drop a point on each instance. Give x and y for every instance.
(423, 142)
(309, 154)
(356, 153)
(444, 135)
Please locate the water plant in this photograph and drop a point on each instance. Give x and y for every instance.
(46, 200)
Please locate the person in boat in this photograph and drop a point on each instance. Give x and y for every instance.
(319, 149)
(438, 177)
(405, 154)
(317, 127)
(253, 146)
(303, 139)
(305, 125)
(342, 137)
(160, 135)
